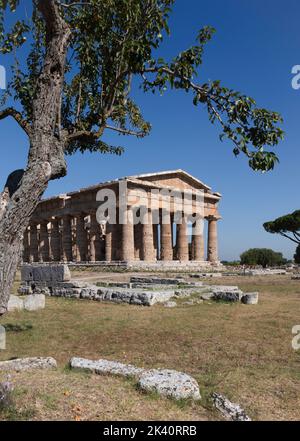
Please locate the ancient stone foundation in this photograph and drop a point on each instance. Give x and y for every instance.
(144, 291)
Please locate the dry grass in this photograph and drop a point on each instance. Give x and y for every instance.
(240, 350)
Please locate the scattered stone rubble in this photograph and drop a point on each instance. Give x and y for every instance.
(206, 275)
(25, 364)
(102, 367)
(165, 382)
(230, 411)
(168, 383)
(265, 272)
(170, 305)
(55, 280)
(296, 277)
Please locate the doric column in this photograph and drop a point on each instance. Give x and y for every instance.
(138, 241)
(183, 245)
(108, 242)
(67, 239)
(166, 252)
(155, 241)
(116, 240)
(26, 251)
(127, 239)
(44, 242)
(81, 239)
(34, 254)
(95, 242)
(212, 246)
(197, 241)
(55, 241)
(148, 251)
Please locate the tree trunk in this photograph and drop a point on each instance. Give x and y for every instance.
(14, 223)
(46, 154)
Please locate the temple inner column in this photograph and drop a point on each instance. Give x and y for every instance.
(138, 241)
(198, 241)
(108, 241)
(26, 251)
(116, 240)
(127, 240)
(44, 242)
(95, 241)
(183, 245)
(67, 239)
(148, 250)
(166, 237)
(155, 241)
(81, 239)
(212, 246)
(33, 243)
(55, 240)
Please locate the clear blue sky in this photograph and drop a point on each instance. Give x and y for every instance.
(256, 44)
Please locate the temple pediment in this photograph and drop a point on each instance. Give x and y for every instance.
(173, 178)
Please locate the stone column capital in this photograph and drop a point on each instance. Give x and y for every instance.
(214, 217)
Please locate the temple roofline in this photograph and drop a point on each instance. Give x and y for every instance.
(135, 179)
(171, 172)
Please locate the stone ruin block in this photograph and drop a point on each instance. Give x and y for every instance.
(157, 280)
(250, 298)
(227, 296)
(2, 338)
(45, 273)
(15, 304)
(34, 302)
(26, 364)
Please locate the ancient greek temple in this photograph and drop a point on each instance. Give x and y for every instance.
(67, 228)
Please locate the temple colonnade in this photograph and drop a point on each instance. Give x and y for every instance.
(80, 238)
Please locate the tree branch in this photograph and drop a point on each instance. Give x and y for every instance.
(139, 134)
(85, 134)
(288, 237)
(72, 5)
(296, 235)
(156, 69)
(23, 123)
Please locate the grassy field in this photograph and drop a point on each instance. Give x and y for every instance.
(242, 351)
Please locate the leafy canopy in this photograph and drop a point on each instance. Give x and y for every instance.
(287, 226)
(113, 42)
(262, 256)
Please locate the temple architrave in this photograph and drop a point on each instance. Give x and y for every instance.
(66, 228)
